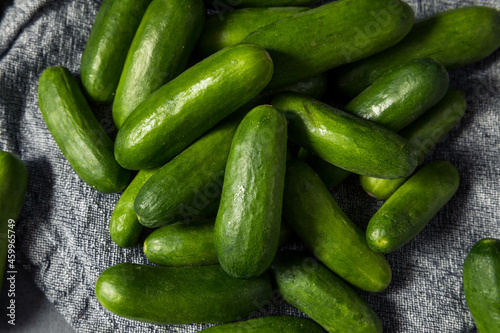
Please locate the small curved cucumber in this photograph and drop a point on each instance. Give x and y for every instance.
(124, 225)
(249, 216)
(159, 52)
(349, 142)
(229, 4)
(423, 134)
(82, 140)
(454, 38)
(316, 40)
(180, 295)
(412, 206)
(190, 242)
(329, 173)
(481, 275)
(192, 103)
(271, 324)
(13, 184)
(308, 207)
(106, 50)
(320, 294)
(234, 26)
(402, 95)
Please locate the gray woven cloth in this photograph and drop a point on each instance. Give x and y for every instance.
(63, 236)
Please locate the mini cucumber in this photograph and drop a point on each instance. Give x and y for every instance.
(192, 103)
(400, 96)
(180, 295)
(159, 52)
(412, 206)
(320, 294)
(124, 226)
(423, 133)
(234, 26)
(329, 173)
(481, 276)
(106, 49)
(454, 38)
(271, 324)
(13, 184)
(316, 40)
(308, 207)
(226, 5)
(189, 242)
(249, 216)
(349, 142)
(82, 140)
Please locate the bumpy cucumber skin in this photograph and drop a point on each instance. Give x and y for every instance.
(412, 206)
(190, 242)
(336, 34)
(180, 295)
(13, 184)
(402, 95)
(347, 141)
(320, 294)
(249, 216)
(455, 38)
(106, 49)
(77, 132)
(228, 4)
(271, 324)
(481, 276)
(124, 226)
(190, 185)
(423, 133)
(159, 52)
(308, 207)
(192, 103)
(234, 26)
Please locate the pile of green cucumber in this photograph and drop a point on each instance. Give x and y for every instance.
(225, 145)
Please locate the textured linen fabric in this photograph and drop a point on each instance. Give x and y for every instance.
(63, 235)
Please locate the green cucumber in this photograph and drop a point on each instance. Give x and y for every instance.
(190, 185)
(349, 142)
(249, 216)
(402, 95)
(314, 87)
(228, 5)
(159, 52)
(82, 140)
(106, 50)
(331, 35)
(271, 324)
(481, 276)
(13, 184)
(320, 294)
(234, 26)
(454, 38)
(412, 206)
(329, 173)
(189, 242)
(180, 295)
(423, 133)
(124, 226)
(192, 103)
(308, 207)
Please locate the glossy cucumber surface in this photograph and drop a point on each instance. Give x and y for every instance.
(412, 206)
(249, 216)
(106, 49)
(159, 52)
(331, 35)
(481, 278)
(82, 140)
(454, 38)
(188, 106)
(271, 324)
(423, 134)
(179, 295)
(309, 208)
(320, 294)
(347, 141)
